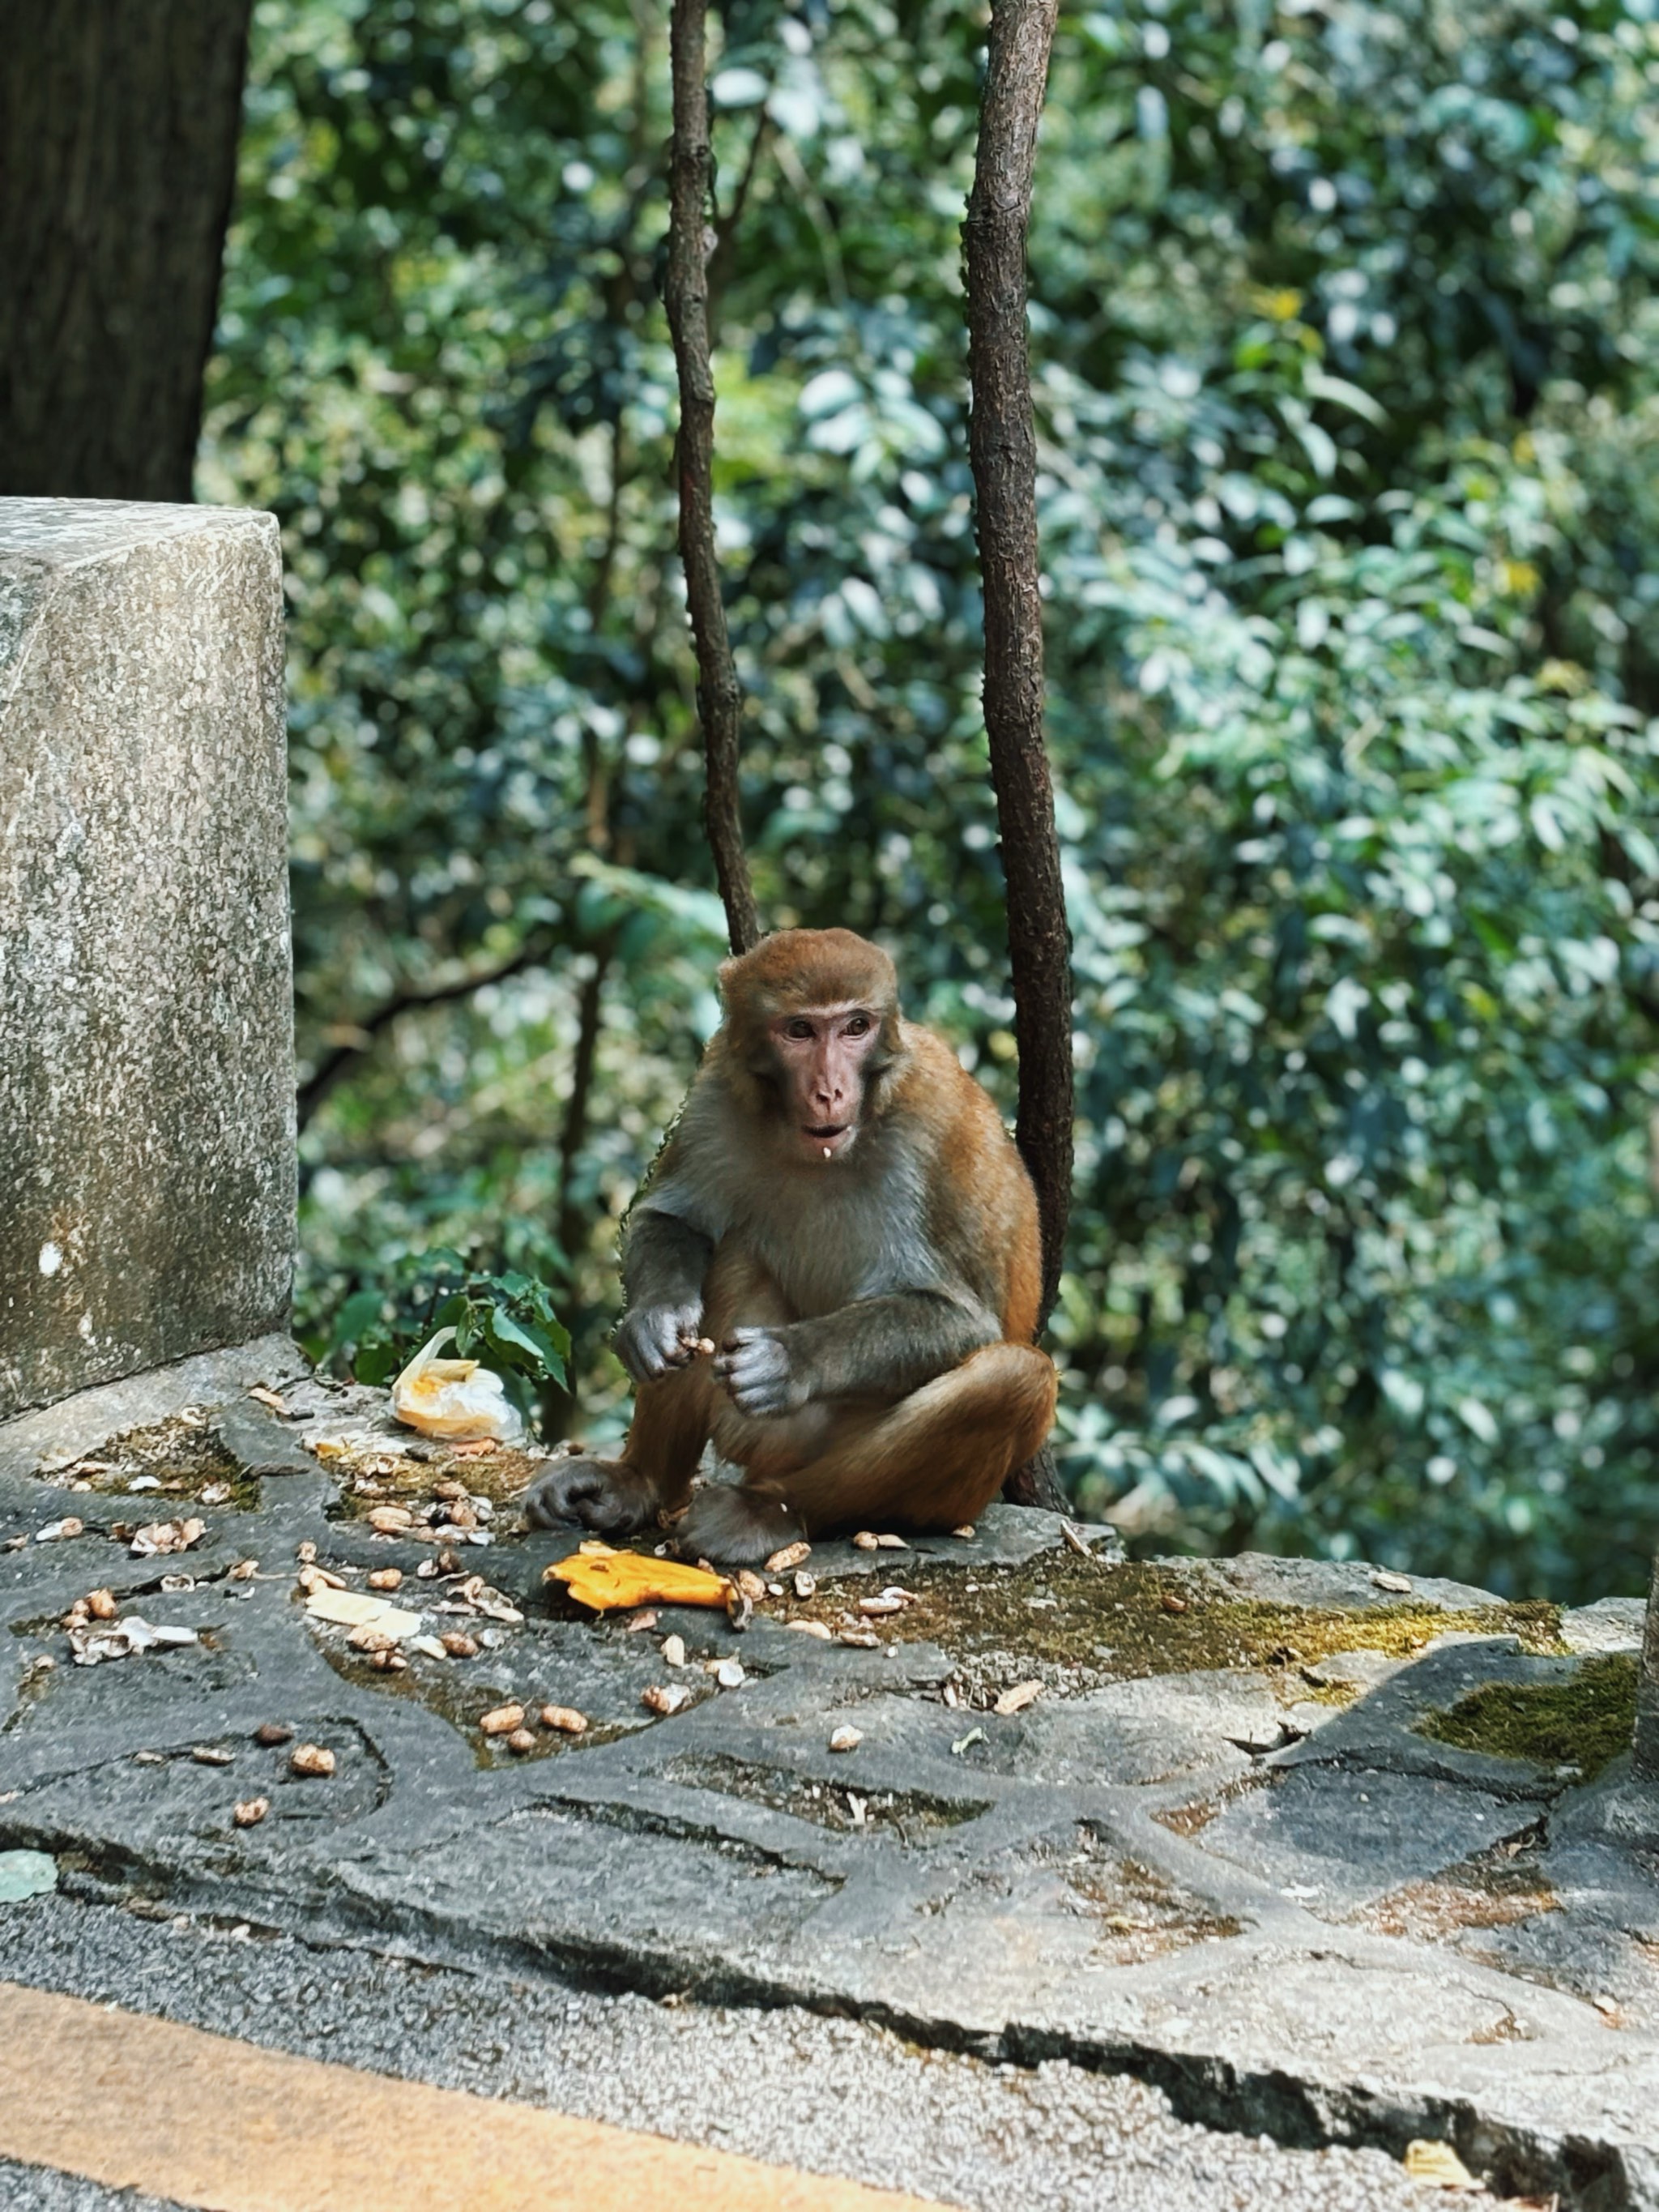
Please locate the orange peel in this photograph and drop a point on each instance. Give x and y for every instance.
(595, 1575)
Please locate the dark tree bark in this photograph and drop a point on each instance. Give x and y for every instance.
(1002, 441)
(685, 295)
(118, 156)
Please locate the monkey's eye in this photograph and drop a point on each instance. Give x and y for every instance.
(859, 1026)
(800, 1031)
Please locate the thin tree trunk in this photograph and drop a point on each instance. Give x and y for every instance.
(1002, 441)
(118, 158)
(685, 295)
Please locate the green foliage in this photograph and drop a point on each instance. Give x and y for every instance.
(505, 1322)
(1344, 356)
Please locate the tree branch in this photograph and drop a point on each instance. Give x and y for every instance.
(1003, 447)
(685, 295)
(329, 1070)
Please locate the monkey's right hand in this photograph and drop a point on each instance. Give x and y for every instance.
(606, 1496)
(651, 1340)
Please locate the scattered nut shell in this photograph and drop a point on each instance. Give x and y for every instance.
(251, 1811)
(565, 1719)
(861, 1639)
(729, 1674)
(502, 1721)
(1171, 1604)
(389, 1661)
(637, 1622)
(891, 1544)
(305, 1552)
(866, 1540)
(665, 1699)
(521, 1740)
(312, 1758)
(847, 1739)
(820, 1629)
(806, 1585)
(751, 1584)
(1016, 1699)
(790, 1556)
(211, 1754)
(386, 1578)
(458, 1646)
(966, 1532)
(739, 1609)
(875, 1606)
(1386, 1579)
(271, 1733)
(673, 1651)
(391, 1520)
(101, 1604)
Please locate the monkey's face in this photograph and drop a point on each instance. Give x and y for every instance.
(822, 1055)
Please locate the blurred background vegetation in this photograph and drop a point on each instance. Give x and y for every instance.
(1346, 353)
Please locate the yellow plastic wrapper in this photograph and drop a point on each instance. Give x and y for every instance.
(606, 1580)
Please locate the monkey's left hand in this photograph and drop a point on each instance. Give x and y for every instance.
(757, 1367)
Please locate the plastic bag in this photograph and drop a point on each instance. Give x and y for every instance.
(456, 1398)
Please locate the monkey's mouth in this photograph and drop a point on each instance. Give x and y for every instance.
(828, 1138)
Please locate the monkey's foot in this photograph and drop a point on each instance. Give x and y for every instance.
(606, 1495)
(737, 1527)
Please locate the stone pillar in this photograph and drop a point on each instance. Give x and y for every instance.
(147, 1166)
(1647, 1690)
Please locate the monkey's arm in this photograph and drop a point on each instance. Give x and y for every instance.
(664, 1261)
(880, 1349)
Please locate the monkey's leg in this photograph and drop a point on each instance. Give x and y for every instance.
(935, 1461)
(673, 1419)
(619, 1497)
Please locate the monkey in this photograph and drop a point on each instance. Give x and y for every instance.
(839, 1213)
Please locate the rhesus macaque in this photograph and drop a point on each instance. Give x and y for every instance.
(840, 1210)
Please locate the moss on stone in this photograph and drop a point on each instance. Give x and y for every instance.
(1116, 1623)
(1582, 1722)
(184, 1456)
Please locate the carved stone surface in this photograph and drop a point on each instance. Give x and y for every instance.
(147, 1179)
(1323, 1858)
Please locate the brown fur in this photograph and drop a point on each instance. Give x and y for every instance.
(930, 1214)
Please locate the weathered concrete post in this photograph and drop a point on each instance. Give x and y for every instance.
(1647, 1693)
(147, 1177)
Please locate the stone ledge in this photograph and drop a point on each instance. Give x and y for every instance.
(1215, 1849)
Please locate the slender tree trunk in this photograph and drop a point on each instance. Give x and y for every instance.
(685, 294)
(118, 126)
(1002, 441)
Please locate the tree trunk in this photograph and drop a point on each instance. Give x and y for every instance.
(685, 295)
(118, 156)
(1003, 446)
(1002, 441)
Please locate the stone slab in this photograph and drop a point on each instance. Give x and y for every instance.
(1293, 1915)
(1647, 1705)
(146, 1029)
